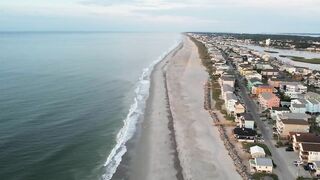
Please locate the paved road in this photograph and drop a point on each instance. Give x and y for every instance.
(282, 168)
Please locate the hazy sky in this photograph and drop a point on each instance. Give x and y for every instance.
(161, 15)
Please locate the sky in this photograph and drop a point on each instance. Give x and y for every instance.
(243, 16)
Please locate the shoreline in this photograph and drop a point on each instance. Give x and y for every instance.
(176, 135)
(201, 150)
(152, 149)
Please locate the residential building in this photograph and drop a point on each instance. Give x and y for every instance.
(313, 106)
(239, 108)
(262, 165)
(298, 106)
(230, 101)
(268, 100)
(227, 80)
(244, 134)
(257, 151)
(305, 105)
(291, 115)
(225, 89)
(285, 126)
(270, 72)
(309, 152)
(309, 138)
(263, 66)
(292, 87)
(312, 95)
(252, 75)
(276, 111)
(246, 121)
(221, 69)
(258, 89)
(274, 82)
(252, 82)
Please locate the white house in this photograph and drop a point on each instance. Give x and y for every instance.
(253, 75)
(263, 165)
(257, 151)
(292, 87)
(298, 106)
(230, 101)
(225, 89)
(227, 80)
(221, 69)
(293, 94)
(246, 120)
(313, 106)
(309, 152)
(275, 111)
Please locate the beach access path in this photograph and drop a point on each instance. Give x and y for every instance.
(202, 153)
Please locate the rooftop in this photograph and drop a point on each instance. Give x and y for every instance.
(244, 131)
(263, 162)
(231, 96)
(298, 105)
(256, 149)
(310, 147)
(247, 116)
(267, 95)
(227, 78)
(295, 121)
(307, 138)
(295, 116)
(280, 108)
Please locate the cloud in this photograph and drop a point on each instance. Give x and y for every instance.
(170, 13)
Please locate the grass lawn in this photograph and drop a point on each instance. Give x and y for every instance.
(247, 146)
(260, 176)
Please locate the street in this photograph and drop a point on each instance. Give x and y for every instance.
(282, 168)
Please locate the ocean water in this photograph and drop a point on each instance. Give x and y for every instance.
(69, 100)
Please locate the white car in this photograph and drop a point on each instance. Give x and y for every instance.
(297, 163)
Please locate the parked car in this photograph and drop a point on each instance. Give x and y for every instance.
(298, 163)
(290, 148)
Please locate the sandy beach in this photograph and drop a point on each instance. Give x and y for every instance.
(179, 140)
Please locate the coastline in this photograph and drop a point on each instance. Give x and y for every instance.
(152, 150)
(201, 151)
(176, 139)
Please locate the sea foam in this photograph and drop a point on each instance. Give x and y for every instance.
(135, 112)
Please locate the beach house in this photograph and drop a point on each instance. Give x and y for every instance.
(293, 89)
(226, 89)
(257, 151)
(285, 126)
(227, 80)
(276, 111)
(246, 120)
(258, 89)
(244, 134)
(298, 106)
(274, 82)
(252, 75)
(309, 152)
(239, 108)
(261, 164)
(307, 138)
(268, 100)
(253, 82)
(230, 101)
(270, 72)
